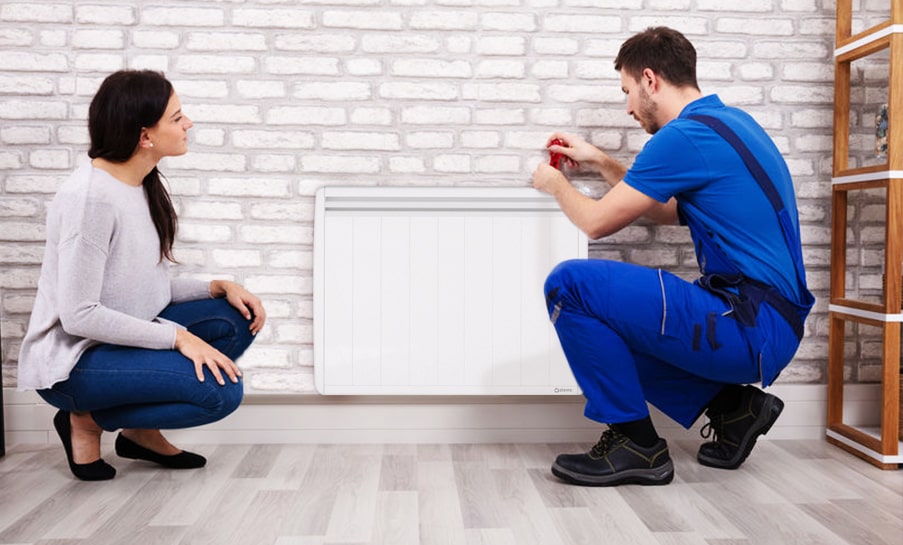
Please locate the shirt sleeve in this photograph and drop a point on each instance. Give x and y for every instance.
(669, 164)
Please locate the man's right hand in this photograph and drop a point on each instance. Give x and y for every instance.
(577, 150)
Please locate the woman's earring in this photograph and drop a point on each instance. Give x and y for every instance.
(150, 144)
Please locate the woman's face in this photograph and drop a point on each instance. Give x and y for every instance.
(170, 135)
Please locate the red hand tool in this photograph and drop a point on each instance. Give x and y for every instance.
(556, 158)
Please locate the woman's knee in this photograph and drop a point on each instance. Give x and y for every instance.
(239, 336)
(224, 400)
(215, 321)
(240, 331)
(232, 397)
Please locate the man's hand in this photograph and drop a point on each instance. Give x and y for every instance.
(576, 151)
(548, 179)
(574, 148)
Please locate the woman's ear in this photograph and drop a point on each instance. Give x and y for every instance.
(144, 140)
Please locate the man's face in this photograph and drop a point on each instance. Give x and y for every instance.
(639, 104)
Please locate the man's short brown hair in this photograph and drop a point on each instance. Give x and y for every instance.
(665, 51)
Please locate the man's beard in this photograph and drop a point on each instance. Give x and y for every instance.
(647, 113)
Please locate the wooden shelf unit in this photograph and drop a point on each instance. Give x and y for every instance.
(883, 447)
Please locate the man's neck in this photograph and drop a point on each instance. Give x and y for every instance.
(675, 99)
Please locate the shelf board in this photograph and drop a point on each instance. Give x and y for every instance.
(868, 38)
(874, 455)
(868, 314)
(862, 177)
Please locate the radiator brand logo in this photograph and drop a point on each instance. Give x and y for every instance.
(559, 390)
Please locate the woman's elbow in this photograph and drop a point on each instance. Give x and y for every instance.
(70, 324)
(74, 322)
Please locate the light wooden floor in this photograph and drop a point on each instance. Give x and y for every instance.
(788, 492)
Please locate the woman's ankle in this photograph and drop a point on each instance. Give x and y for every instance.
(151, 439)
(85, 438)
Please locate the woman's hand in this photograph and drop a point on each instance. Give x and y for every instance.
(202, 354)
(245, 302)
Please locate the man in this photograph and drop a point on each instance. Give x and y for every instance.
(633, 334)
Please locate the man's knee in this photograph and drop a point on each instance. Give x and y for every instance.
(561, 286)
(562, 275)
(565, 278)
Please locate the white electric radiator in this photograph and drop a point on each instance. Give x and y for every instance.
(438, 291)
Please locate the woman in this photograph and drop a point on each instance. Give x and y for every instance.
(113, 341)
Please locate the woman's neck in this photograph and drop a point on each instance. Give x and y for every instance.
(131, 172)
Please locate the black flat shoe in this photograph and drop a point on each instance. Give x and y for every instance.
(184, 460)
(97, 470)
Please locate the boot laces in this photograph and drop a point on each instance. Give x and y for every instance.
(714, 428)
(610, 438)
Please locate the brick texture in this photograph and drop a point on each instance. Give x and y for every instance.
(288, 96)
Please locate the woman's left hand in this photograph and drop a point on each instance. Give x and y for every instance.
(245, 302)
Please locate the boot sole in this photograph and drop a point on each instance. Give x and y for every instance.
(652, 476)
(771, 410)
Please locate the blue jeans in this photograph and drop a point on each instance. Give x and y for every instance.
(633, 334)
(128, 387)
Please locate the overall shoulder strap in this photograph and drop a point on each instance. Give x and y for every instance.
(771, 192)
(755, 168)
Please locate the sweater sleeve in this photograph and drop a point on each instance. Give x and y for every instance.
(80, 279)
(189, 289)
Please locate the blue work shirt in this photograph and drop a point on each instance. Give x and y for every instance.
(689, 161)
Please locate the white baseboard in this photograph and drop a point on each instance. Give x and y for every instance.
(474, 419)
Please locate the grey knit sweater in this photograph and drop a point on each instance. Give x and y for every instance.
(102, 279)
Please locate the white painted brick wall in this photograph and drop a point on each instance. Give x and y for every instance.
(290, 95)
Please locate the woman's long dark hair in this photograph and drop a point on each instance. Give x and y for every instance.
(127, 102)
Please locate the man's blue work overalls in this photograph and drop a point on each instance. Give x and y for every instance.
(633, 334)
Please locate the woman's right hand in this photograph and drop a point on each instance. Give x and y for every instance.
(202, 354)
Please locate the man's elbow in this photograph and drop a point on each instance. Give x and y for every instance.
(607, 223)
(596, 231)
(665, 214)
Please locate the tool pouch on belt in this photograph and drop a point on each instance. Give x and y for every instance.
(745, 295)
(728, 286)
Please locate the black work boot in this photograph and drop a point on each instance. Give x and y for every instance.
(615, 460)
(735, 432)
